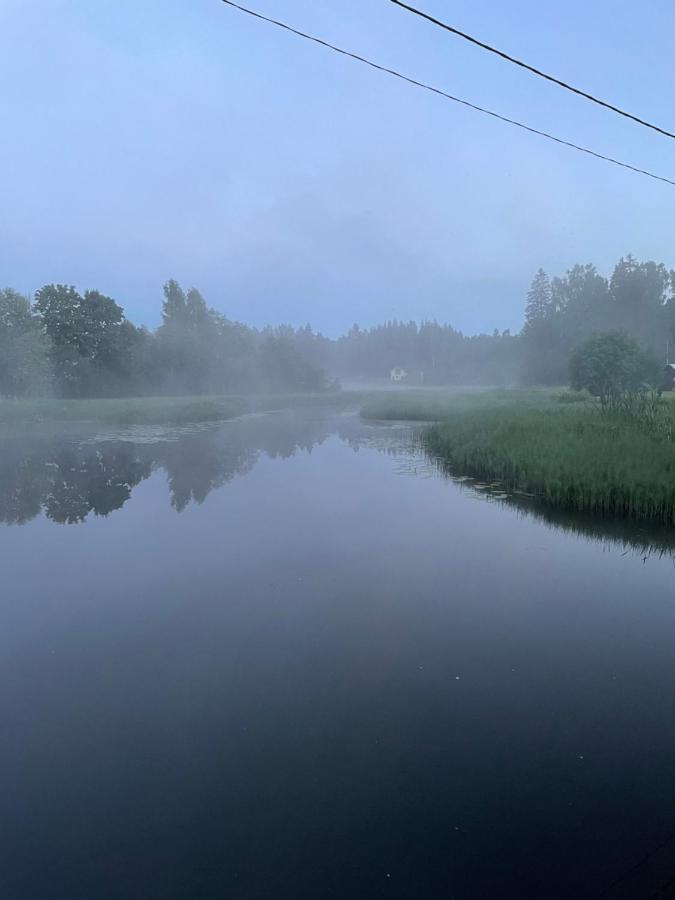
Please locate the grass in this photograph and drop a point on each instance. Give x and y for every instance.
(158, 410)
(426, 405)
(146, 410)
(569, 456)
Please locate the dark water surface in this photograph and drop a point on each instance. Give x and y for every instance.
(283, 658)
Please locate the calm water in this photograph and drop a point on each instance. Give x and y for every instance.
(283, 658)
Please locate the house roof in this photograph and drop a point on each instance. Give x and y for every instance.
(670, 365)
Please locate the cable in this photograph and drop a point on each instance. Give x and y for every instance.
(524, 65)
(434, 90)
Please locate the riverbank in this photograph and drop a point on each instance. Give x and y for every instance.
(568, 455)
(160, 410)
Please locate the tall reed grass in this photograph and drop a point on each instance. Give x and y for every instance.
(571, 457)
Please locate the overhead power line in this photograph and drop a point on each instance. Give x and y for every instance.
(441, 93)
(535, 71)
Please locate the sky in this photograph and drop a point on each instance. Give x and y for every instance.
(183, 139)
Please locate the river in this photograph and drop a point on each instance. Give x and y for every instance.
(284, 657)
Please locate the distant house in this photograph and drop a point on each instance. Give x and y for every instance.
(398, 374)
(668, 380)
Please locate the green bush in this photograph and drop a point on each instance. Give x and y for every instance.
(611, 365)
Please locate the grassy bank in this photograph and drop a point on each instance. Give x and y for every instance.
(146, 410)
(159, 410)
(432, 405)
(573, 459)
(568, 455)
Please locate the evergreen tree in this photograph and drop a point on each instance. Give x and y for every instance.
(541, 335)
(539, 300)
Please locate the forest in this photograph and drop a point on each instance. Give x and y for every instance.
(63, 343)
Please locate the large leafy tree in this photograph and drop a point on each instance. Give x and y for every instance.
(200, 350)
(582, 302)
(86, 337)
(174, 306)
(640, 292)
(189, 342)
(24, 362)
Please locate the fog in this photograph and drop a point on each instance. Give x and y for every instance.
(73, 345)
(337, 410)
(157, 140)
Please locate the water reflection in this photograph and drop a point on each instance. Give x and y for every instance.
(646, 539)
(68, 477)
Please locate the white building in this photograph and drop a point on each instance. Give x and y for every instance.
(398, 374)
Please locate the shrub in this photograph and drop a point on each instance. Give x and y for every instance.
(611, 365)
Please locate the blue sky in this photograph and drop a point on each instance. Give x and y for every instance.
(143, 141)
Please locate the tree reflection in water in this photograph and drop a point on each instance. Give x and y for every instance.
(67, 481)
(69, 478)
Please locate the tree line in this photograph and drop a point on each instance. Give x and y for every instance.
(637, 302)
(82, 345)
